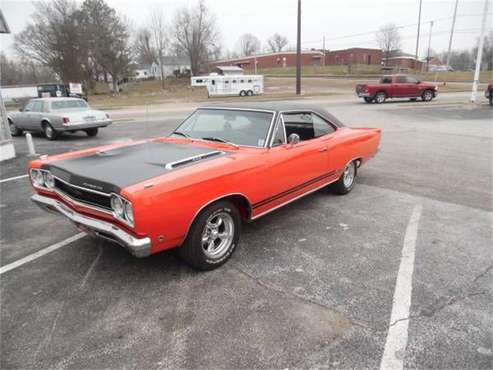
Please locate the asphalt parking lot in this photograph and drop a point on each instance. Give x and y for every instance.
(311, 285)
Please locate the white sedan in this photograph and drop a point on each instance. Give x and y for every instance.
(53, 116)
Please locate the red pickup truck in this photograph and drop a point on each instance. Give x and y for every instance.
(397, 86)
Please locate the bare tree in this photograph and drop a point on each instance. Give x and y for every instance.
(195, 34)
(248, 44)
(159, 37)
(144, 50)
(388, 39)
(51, 39)
(277, 42)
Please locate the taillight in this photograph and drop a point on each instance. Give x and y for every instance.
(66, 120)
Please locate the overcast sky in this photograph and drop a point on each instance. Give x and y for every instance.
(335, 19)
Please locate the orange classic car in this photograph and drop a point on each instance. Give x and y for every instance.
(222, 166)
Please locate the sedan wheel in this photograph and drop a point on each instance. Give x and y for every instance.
(346, 182)
(213, 237)
(50, 132)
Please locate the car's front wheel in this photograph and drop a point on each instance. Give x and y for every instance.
(14, 130)
(427, 95)
(380, 97)
(346, 182)
(213, 236)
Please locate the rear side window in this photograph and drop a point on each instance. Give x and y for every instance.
(401, 79)
(411, 80)
(386, 80)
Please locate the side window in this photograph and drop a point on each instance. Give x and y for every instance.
(300, 124)
(37, 106)
(279, 137)
(411, 80)
(321, 127)
(213, 82)
(386, 80)
(29, 107)
(401, 79)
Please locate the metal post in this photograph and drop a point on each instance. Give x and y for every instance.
(298, 52)
(480, 54)
(419, 27)
(255, 63)
(429, 49)
(452, 34)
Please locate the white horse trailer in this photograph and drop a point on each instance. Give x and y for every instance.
(235, 85)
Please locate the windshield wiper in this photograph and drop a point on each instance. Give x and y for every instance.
(181, 133)
(221, 140)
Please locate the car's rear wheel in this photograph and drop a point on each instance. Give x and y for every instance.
(427, 95)
(14, 130)
(346, 182)
(213, 236)
(92, 131)
(242, 93)
(380, 97)
(50, 132)
(368, 100)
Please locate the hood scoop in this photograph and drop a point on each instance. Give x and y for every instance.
(193, 159)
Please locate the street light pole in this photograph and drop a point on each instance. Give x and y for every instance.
(419, 27)
(298, 52)
(429, 49)
(480, 54)
(451, 34)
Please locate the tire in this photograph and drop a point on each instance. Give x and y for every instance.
(49, 132)
(250, 93)
(91, 132)
(204, 248)
(368, 100)
(427, 95)
(242, 93)
(380, 97)
(346, 182)
(14, 130)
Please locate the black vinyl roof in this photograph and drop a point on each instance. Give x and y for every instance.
(277, 107)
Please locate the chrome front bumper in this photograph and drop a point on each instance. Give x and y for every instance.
(106, 230)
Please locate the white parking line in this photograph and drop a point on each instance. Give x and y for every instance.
(13, 178)
(395, 346)
(40, 253)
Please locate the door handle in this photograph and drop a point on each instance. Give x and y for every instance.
(324, 149)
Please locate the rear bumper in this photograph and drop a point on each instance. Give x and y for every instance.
(84, 126)
(106, 230)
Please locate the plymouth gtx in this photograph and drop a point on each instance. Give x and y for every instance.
(222, 166)
(53, 116)
(396, 86)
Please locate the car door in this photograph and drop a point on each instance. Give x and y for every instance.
(400, 87)
(34, 116)
(22, 118)
(296, 168)
(413, 87)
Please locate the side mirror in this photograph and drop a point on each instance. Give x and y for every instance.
(293, 139)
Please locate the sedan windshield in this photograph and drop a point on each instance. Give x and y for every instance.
(228, 126)
(69, 104)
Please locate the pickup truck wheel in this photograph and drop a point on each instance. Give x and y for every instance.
(213, 236)
(50, 132)
(368, 100)
(92, 131)
(346, 182)
(427, 95)
(380, 97)
(14, 130)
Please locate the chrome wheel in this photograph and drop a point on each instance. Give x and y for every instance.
(380, 98)
(427, 95)
(49, 131)
(218, 235)
(348, 176)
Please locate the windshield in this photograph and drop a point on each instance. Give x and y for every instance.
(69, 104)
(222, 125)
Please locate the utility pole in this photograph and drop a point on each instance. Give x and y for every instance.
(429, 49)
(451, 34)
(323, 50)
(480, 54)
(419, 27)
(298, 52)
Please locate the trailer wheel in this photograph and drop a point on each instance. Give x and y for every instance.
(242, 93)
(249, 92)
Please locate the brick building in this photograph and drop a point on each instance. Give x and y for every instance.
(353, 56)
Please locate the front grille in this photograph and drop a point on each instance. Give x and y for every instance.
(83, 196)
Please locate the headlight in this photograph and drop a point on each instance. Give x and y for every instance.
(37, 177)
(122, 209)
(49, 180)
(117, 205)
(129, 212)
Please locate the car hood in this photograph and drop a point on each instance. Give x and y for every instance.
(114, 169)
